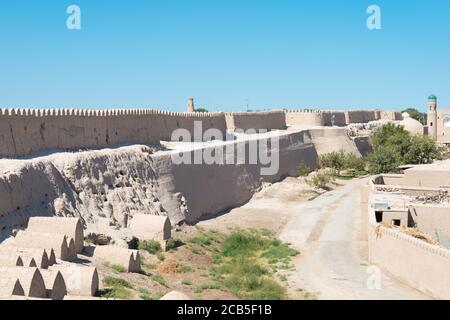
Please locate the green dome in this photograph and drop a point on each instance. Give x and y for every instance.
(432, 98)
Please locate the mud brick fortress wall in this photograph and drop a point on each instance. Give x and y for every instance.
(27, 131)
(24, 131)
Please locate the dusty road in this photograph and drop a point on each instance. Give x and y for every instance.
(330, 232)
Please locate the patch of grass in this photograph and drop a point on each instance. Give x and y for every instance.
(247, 262)
(185, 269)
(144, 294)
(279, 251)
(205, 239)
(310, 296)
(160, 256)
(159, 279)
(116, 282)
(199, 228)
(116, 289)
(242, 243)
(173, 243)
(186, 282)
(282, 277)
(195, 249)
(158, 295)
(118, 268)
(116, 293)
(206, 286)
(150, 246)
(150, 266)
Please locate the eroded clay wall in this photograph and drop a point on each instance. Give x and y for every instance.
(25, 131)
(305, 118)
(269, 120)
(109, 186)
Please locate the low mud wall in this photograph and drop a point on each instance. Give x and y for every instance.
(421, 265)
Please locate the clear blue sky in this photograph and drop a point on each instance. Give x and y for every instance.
(276, 53)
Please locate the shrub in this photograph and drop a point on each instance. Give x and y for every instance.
(321, 179)
(118, 268)
(186, 282)
(333, 160)
(303, 170)
(151, 246)
(341, 160)
(353, 162)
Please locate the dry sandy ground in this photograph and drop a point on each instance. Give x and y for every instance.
(271, 208)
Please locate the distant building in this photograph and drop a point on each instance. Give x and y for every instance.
(190, 105)
(438, 121)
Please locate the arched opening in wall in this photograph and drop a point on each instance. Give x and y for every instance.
(431, 124)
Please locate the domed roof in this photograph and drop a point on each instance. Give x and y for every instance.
(432, 97)
(411, 125)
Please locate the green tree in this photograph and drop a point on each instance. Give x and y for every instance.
(392, 136)
(423, 150)
(383, 159)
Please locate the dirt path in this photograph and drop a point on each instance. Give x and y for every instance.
(330, 232)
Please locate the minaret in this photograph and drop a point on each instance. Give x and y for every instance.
(190, 105)
(432, 116)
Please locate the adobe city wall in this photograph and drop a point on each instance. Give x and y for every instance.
(267, 120)
(305, 117)
(27, 131)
